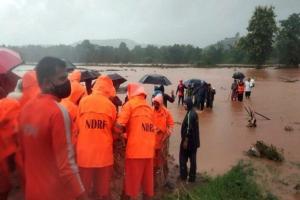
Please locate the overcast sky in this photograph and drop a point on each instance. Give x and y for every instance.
(196, 22)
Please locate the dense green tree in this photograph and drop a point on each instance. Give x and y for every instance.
(85, 52)
(123, 54)
(213, 54)
(261, 31)
(288, 40)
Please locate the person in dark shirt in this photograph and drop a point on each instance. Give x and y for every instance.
(210, 96)
(200, 96)
(166, 97)
(190, 142)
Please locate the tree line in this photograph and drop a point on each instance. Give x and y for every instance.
(265, 42)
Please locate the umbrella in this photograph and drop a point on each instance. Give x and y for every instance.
(8, 82)
(70, 66)
(117, 79)
(155, 79)
(8, 60)
(238, 75)
(195, 82)
(89, 74)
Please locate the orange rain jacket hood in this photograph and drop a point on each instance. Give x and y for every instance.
(159, 99)
(104, 86)
(77, 90)
(135, 89)
(75, 76)
(30, 87)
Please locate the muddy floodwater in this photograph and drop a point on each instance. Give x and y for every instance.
(224, 135)
(223, 132)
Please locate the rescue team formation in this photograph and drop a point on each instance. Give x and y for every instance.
(61, 139)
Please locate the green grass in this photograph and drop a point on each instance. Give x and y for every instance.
(236, 184)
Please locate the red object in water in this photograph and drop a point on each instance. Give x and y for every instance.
(8, 60)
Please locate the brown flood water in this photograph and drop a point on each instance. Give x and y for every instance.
(223, 132)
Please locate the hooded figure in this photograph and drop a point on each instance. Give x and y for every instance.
(200, 96)
(109, 92)
(164, 124)
(136, 117)
(96, 117)
(77, 90)
(30, 87)
(190, 142)
(163, 121)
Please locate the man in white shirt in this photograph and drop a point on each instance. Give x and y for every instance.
(248, 87)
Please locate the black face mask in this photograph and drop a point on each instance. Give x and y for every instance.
(63, 90)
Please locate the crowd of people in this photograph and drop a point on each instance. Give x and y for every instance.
(240, 87)
(60, 137)
(201, 95)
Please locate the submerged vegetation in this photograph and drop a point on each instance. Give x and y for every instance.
(236, 184)
(262, 150)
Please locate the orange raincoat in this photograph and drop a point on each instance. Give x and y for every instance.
(163, 122)
(30, 87)
(137, 116)
(77, 90)
(50, 169)
(96, 119)
(73, 111)
(9, 112)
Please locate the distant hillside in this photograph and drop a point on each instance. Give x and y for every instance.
(114, 43)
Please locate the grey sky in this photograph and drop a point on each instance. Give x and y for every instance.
(196, 22)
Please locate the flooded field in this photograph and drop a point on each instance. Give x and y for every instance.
(223, 132)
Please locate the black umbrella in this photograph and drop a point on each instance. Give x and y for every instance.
(70, 66)
(117, 79)
(238, 75)
(155, 79)
(195, 82)
(89, 74)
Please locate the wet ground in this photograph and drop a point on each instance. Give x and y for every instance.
(224, 135)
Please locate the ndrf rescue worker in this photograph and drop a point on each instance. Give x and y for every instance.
(71, 102)
(97, 115)
(136, 118)
(50, 169)
(164, 123)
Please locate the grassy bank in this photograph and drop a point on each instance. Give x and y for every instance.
(236, 184)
